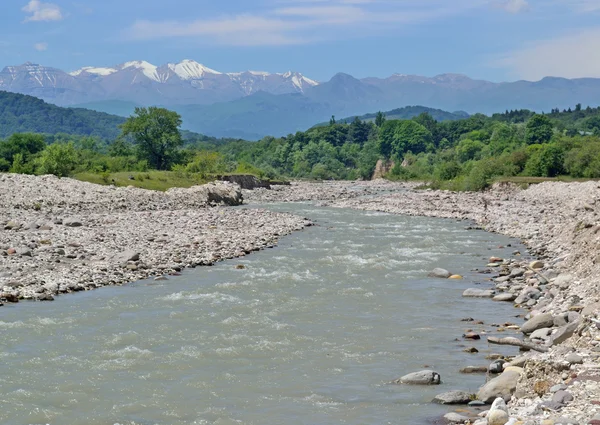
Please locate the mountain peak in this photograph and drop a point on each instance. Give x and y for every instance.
(188, 69)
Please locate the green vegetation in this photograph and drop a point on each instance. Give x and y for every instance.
(462, 154)
(152, 180)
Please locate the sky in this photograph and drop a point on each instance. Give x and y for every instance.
(497, 40)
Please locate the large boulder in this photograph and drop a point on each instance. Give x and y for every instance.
(423, 377)
(544, 320)
(217, 193)
(502, 386)
(439, 273)
(453, 397)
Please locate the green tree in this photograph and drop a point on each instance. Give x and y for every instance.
(59, 159)
(539, 130)
(399, 137)
(379, 119)
(25, 144)
(155, 132)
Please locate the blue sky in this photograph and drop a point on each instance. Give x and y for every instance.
(499, 40)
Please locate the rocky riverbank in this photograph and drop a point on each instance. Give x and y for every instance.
(558, 380)
(61, 235)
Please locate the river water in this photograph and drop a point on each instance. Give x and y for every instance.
(310, 332)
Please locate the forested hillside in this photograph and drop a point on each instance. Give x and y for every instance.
(20, 113)
(462, 154)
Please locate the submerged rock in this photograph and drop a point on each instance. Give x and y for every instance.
(439, 273)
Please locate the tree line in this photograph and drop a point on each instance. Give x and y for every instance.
(465, 154)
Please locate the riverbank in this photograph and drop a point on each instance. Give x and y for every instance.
(63, 235)
(559, 224)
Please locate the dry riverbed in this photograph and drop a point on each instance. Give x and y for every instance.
(61, 235)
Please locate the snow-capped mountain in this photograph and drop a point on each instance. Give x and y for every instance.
(140, 81)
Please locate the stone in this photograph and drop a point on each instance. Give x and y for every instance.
(456, 418)
(536, 265)
(543, 333)
(455, 277)
(476, 403)
(574, 358)
(518, 272)
(453, 397)
(439, 273)
(471, 335)
(563, 280)
(562, 397)
(11, 298)
(502, 386)
(496, 367)
(72, 222)
(563, 333)
(478, 293)
(543, 320)
(474, 369)
(496, 260)
(505, 296)
(128, 255)
(471, 350)
(23, 252)
(423, 377)
(498, 414)
(527, 294)
(558, 387)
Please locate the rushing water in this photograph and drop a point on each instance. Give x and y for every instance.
(309, 333)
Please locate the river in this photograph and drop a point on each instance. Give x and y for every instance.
(309, 332)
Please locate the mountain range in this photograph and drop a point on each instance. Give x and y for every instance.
(253, 104)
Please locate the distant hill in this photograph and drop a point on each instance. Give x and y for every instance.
(20, 113)
(113, 107)
(407, 113)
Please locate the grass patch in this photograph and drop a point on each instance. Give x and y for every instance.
(151, 180)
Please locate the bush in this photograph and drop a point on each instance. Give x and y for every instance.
(59, 159)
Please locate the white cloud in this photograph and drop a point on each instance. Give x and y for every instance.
(304, 21)
(39, 11)
(40, 47)
(513, 6)
(570, 56)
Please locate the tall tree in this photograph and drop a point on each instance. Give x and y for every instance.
(155, 132)
(379, 119)
(539, 129)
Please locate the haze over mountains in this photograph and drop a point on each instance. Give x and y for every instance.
(253, 104)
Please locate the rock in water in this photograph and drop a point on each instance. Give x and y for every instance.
(424, 377)
(478, 293)
(455, 418)
(544, 320)
(440, 273)
(498, 414)
(453, 397)
(502, 386)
